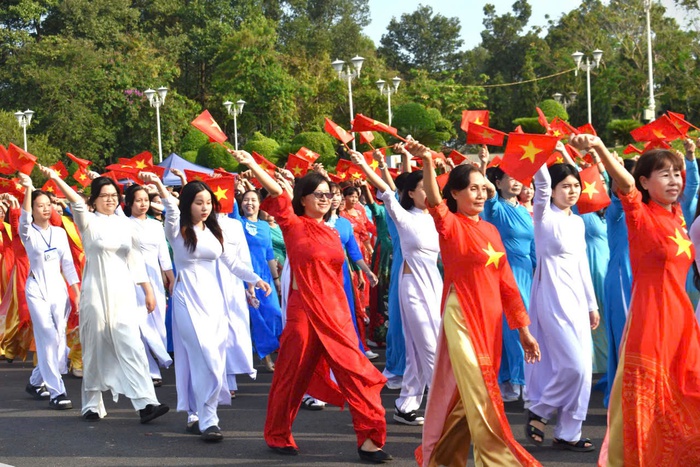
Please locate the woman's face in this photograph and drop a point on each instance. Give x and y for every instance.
(41, 208)
(664, 185)
(107, 201)
(509, 186)
(470, 200)
(351, 200)
(337, 199)
(418, 196)
(566, 193)
(201, 207)
(141, 204)
(250, 204)
(318, 203)
(526, 194)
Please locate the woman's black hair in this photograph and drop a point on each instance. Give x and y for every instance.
(304, 187)
(130, 195)
(630, 164)
(651, 161)
(351, 190)
(37, 193)
(333, 187)
(187, 195)
(96, 187)
(459, 179)
(240, 200)
(558, 172)
(400, 181)
(412, 182)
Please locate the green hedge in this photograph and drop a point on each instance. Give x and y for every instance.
(261, 144)
(619, 130)
(193, 140)
(213, 155)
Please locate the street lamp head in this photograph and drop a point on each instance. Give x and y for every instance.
(162, 92)
(380, 85)
(357, 62)
(572, 96)
(597, 55)
(557, 96)
(150, 95)
(228, 105)
(396, 80)
(577, 56)
(19, 116)
(28, 115)
(338, 66)
(239, 105)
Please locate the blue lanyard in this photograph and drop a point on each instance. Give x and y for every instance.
(48, 244)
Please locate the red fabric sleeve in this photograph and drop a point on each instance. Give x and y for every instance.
(634, 207)
(280, 207)
(444, 219)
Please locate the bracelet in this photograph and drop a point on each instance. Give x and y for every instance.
(381, 167)
(276, 278)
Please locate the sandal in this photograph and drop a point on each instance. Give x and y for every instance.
(232, 394)
(582, 445)
(309, 403)
(157, 382)
(531, 431)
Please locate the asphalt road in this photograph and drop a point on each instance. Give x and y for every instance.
(31, 434)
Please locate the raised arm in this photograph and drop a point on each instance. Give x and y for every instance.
(430, 185)
(384, 169)
(26, 182)
(622, 178)
(71, 195)
(263, 177)
(371, 175)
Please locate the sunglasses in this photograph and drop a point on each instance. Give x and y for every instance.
(319, 195)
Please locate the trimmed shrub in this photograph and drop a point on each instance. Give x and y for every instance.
(213, 155)
(620, 130)
(261, 144)
(193, 140)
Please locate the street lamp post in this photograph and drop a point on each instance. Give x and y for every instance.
(650, 113)
(24, 119)
(156, 99)
(566, 101)
(349, 74)
(587, 67)
(388, 91)
(235, 111)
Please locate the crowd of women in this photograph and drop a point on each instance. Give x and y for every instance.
(483, 291)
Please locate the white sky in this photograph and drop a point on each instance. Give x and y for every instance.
(470, 13)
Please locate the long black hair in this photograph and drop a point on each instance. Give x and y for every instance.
(187, 195)
(96, 187)
(558, 172)
(411, 183)
(459, 179)
(37, 193)
(304, 187)
(129, 197)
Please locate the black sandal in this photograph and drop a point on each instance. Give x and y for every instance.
(582, 445)
(532, 431)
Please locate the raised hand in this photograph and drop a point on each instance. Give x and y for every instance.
(357, 158)
(149, 177)
(417, 149)
(243, 157)
(47, 172)
(26, 181)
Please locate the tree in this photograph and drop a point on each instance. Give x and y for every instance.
(422, 40)
(261, 144)
(425, 125)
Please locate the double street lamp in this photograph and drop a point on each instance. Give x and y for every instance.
(587, 67)
(388, 91)
(24, 119)
(348, 74)
(235, 111)
(566, 101)
(156, 99)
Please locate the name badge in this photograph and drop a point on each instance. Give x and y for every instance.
(51, 255)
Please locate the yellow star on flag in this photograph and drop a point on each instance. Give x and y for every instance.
(478, 121)
(23, 156)
(215, 125)
(374, 165)
(356, 175)
(82, 177)
(494, 256)
(683, 224)
(297, 170)
(49, 189)
(4, 182)
(560, 160)
(220, 193)
(141, 165)
(659, 134)
(530, 152)
(486, 134)
(342, 175)
(683, 244)
(4, 164)
(590, 189)
(556, 133)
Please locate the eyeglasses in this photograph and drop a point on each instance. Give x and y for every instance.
(319, 195)
(106, 196)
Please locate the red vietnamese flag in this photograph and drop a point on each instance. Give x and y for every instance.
(542, 119)
(51, 187)
(479, 117)
(661, 129)
(355, 172)
(21, 160)
(194, 176)
(224, 191)
(5, 185)
(366, 137)
(526, 153)
(442, 180)
(82, 163)
(594, 195)
(263, 162)
(562, 129)
(369, 158)
(124, 171)
(308, 155)
(680, 122)
(519, 130)
(81, 177)
(631, 149)
(60, 169)
(587, 129)
(297, 165)
(481, 134)
(362, 123)
(336, 178)
(656, 145)
(457, 157)
(555, 158)
(495, 162)
(140, 161)
(5, 162)
(337, 132)
(207, 125)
